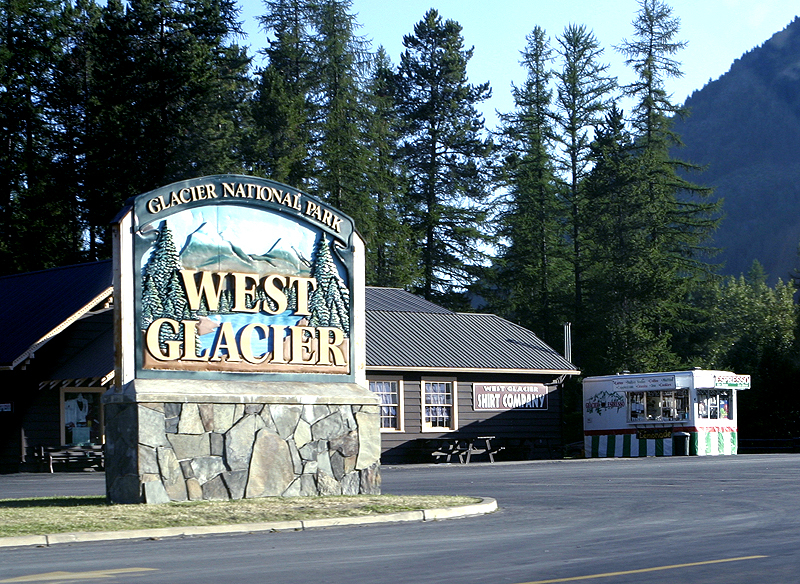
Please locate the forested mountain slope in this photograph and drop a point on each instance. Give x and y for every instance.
(745, 128)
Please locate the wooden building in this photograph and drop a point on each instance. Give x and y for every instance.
(56, 360)
(448, 381)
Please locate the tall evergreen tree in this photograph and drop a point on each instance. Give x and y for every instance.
(525, 286)
(37, 229)
(276, 145)
(341, 65)
(662, 244)
(650, 54)
(622, 283)
(181, 95)
(220, 85)
(583, 90)
(392, 255)
(444, 152)
(74, 103)
(279, 143)
(166, 86)
(309, 112)
(683, 219)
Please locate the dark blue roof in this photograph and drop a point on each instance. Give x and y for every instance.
(36, 303)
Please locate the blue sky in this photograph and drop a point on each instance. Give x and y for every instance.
(718, 32)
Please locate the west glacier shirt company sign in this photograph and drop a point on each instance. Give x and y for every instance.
(238, 274)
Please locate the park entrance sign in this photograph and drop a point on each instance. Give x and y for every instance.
(239, 275)
(240, 355)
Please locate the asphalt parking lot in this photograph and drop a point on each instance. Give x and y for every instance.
(686, 519)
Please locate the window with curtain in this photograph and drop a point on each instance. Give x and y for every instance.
(391, 411)
(439, 405)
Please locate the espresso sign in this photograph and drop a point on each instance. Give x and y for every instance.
(239, 275)
(508, 396)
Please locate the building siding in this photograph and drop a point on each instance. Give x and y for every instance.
(524, 433)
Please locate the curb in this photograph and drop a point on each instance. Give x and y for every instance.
(487, 505)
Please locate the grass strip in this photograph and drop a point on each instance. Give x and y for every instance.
(47, 515)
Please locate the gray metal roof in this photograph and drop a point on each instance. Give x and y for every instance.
(37, 304)
(427, 339)
(397, 300)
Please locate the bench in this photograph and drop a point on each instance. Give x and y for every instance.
(89, 456)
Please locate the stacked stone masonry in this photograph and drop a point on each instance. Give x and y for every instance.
(213, 451)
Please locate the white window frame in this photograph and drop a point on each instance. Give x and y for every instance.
(61, 400)
(650, 405)
(426, 427)
(708, 402)
(400, 405)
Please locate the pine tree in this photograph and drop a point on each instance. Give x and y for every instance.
(392, 256)
(622, 285)
(341, 63)
(279, 141)
(650, 55)
(219, 84)
(683, 219)
(663, 246)
(444, 154)
(182, 93)
(166, 85)
(583, 89)
(37, 229)
(525, 285)
(108, 152)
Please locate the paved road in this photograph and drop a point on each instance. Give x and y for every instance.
(731, 520)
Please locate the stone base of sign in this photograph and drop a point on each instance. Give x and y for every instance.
(191, 440)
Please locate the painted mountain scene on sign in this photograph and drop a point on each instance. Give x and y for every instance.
(207, 249)
(233, 289)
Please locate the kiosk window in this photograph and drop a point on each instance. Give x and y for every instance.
(714, 404)
(658, 406)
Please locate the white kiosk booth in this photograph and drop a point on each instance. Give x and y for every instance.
(661, 414)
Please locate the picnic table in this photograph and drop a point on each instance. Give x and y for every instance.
(84, 455)
(461, 447)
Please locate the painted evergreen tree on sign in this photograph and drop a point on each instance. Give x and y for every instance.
(151, 303)
(163, 295)
(330, 302)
